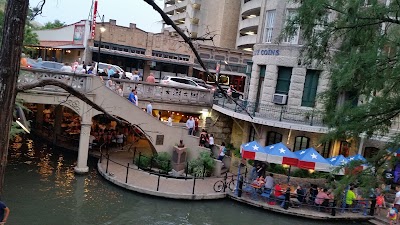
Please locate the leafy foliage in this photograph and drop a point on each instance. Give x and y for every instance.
(53, 25)
(143, 162)
(204, 161)
(358, 45)
(163, 160)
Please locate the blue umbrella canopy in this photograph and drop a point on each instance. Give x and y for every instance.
(356, 157)
(253, 150)
(280, 154)
(339, 160)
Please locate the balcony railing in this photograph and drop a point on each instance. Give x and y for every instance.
(282, 113)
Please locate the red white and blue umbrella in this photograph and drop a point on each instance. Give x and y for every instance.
(357, 157)
(280, 154)
(310, 159)
(253, 150)
(338, 161)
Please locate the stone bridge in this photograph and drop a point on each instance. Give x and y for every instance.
(161, 136)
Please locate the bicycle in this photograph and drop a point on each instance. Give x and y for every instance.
(222, 185)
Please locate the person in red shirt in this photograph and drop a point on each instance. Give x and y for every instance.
(278, 193)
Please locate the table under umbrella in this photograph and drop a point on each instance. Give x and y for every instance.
(310, 159)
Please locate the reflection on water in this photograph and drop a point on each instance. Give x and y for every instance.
(41, 188)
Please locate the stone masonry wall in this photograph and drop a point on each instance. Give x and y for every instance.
(220, 126)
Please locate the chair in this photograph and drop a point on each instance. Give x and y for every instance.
(266, 194)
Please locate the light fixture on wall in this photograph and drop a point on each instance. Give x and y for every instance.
(68, 51)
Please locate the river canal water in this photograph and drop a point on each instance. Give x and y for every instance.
(42, 189)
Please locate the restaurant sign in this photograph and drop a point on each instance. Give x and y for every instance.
(267, 51)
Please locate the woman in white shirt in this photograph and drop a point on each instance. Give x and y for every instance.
(211, 142)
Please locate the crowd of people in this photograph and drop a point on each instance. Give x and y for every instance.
(355, 199)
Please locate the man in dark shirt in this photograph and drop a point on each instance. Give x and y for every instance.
(300, 194)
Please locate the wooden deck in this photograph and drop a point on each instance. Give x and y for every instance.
(305, 212)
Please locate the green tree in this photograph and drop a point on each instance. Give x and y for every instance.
(357, 41)
(53, 25)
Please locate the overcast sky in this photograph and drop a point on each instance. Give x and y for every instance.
(124, 11)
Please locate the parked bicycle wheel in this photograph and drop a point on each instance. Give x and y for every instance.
(219, 186)
(232, 185)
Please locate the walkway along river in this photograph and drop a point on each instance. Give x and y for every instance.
(41, 188)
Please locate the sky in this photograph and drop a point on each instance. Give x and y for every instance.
(124, 11)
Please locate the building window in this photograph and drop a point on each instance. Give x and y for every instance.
(252, 134)
(370, 152)
(269, 26)
(273, 138)
(301, 142)
(310, 88)
(283, 83)
(294, 38)
(326, 148)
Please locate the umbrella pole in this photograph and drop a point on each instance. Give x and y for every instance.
(288, 177)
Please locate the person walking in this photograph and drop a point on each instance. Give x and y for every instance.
(150, 79)
(203, 138)
(222, 151)
(132, 97)
(229, 93)
(66, 68)
(149, 109)
(190, 125)
(211, 142)
(110, 72)
(119, 90)
(169, 123)
(4, 212)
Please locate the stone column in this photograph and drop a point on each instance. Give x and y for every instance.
(255, 77)
(270, 80)
(146, 70)
(81, 166)
(297, 86)
(83, 153)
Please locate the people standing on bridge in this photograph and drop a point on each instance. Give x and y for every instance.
(135, 76)
(132, 97)
(66, 68)
(190, 125)
(169, 123)
(137, 99)
(110, 72)
(229, 93)
(150, 79)
(119, 90)
(149, 109)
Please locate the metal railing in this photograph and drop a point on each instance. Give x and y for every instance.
(281, 113)
(136, 160)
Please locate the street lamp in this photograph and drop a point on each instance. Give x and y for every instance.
(102, 30)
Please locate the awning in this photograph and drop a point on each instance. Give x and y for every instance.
(139, 56)
(71, 47)
(224, 72)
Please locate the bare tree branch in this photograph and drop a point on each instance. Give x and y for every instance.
(168, 21)
(38, 9)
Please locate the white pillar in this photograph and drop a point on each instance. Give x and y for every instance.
(81, 166)
(361, 145)
(255, 78)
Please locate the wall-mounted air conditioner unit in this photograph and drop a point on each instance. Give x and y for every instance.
(279, 99)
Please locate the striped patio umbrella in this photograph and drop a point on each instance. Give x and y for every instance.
(280, 154)
(253, 150)
(310, 159)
